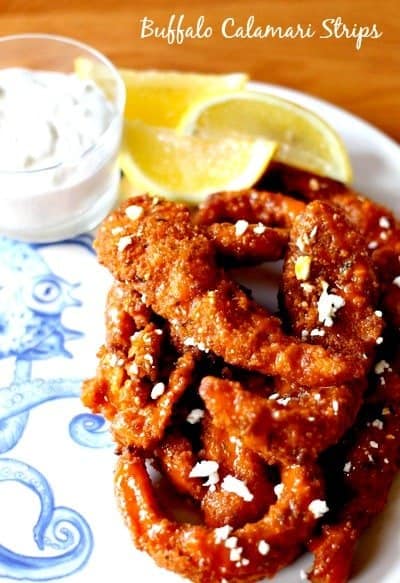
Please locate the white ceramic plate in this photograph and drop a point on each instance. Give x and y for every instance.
(58, 517)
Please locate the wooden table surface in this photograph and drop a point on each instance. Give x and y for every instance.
(365, 81)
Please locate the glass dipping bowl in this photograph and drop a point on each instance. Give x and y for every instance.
(74, 195)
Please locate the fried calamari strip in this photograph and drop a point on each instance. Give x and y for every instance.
(248, 244)
(368, 464)
(183, 378)
(205, 554)
(218, 506)
(298, 183)
(253, 206)
(290, 426)
(139, 377)
(162, 255)
(329, 289)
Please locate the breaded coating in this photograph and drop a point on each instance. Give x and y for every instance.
(163, 256)
(248, 244)
(245, 437)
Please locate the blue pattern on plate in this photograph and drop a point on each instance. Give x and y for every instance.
(32, 301)
(90, 431)
(57, 528)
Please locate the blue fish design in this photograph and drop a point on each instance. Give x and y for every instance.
(33, 300)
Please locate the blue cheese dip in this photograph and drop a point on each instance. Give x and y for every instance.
(48, 117)
(59, 141)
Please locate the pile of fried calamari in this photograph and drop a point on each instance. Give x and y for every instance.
(272, 434)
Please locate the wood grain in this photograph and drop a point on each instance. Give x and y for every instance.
(365, 81)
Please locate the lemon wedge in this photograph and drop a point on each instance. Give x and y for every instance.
(162, 98)
(305, 140)
(162, 162)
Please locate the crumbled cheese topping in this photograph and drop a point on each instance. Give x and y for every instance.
(222, 533)
(157, 390)
(318, 508)
(308, 288)
(192, 342)
(206, 469)
(384, 223)
(306, 239)
(116, 230)
(377, 423)
(378, 313)
(238, 487)
(335, 406)
(379, 340)
(124, 242)
(149, 358)
(396, 281)
(317, 332)
(283, 401)
(381, 366)
(259, 229)
(278, 490)
(302, 267)
(263, 547)
(235, 554)
(372, 244)
(241, 227)
(347, 467)
(374, 444)
(133, 212)
(231, 542)
(328, 305)
(194, 416)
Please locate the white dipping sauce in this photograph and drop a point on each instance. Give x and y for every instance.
(48, 117)
(59, 140)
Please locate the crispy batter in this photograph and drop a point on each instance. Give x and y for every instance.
(298, 183)
(173, 263)
(341, 279)
(366, 466)
(268, 464)
(197, 551)
(275, 210)
(293, 425)
(131, 368)
(248, 244)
